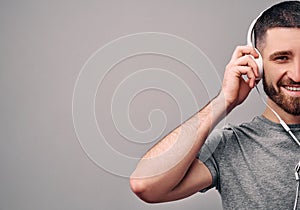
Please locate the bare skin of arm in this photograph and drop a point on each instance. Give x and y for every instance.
(170, 170)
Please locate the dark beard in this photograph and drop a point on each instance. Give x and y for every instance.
(289, 104)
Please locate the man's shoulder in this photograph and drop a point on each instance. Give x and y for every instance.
(258, 123)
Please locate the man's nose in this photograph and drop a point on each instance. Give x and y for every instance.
(295, 71)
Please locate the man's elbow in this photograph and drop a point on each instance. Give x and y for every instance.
(141, 188)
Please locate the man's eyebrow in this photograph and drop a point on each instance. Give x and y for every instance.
(279, 53)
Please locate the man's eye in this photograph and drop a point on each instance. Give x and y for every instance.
(281, 58)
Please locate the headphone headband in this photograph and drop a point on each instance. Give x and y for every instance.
(250, 34)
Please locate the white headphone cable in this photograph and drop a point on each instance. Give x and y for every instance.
(297, 170)
(284, 125)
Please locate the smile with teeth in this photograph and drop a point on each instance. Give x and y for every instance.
(291, 88)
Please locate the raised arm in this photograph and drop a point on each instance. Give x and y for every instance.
(170, 170)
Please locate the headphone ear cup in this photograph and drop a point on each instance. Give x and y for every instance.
(259, 63)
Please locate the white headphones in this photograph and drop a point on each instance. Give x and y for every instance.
(259, 62)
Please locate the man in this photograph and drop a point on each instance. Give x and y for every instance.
(253, 164)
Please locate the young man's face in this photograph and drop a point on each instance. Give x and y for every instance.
(281, 56)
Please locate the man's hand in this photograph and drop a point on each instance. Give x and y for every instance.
(235, 88)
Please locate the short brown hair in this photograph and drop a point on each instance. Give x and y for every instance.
(283, 14)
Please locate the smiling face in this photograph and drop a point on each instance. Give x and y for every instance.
(281, 55)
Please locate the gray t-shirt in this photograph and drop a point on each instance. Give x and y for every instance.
(252, 164)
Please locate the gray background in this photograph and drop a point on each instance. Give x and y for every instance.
(44, 45)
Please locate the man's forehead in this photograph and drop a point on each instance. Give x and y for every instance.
(282, 38)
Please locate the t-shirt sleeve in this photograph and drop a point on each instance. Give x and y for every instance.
(212, 167)
(209, 154)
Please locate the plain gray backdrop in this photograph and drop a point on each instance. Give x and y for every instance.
(44, 46)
